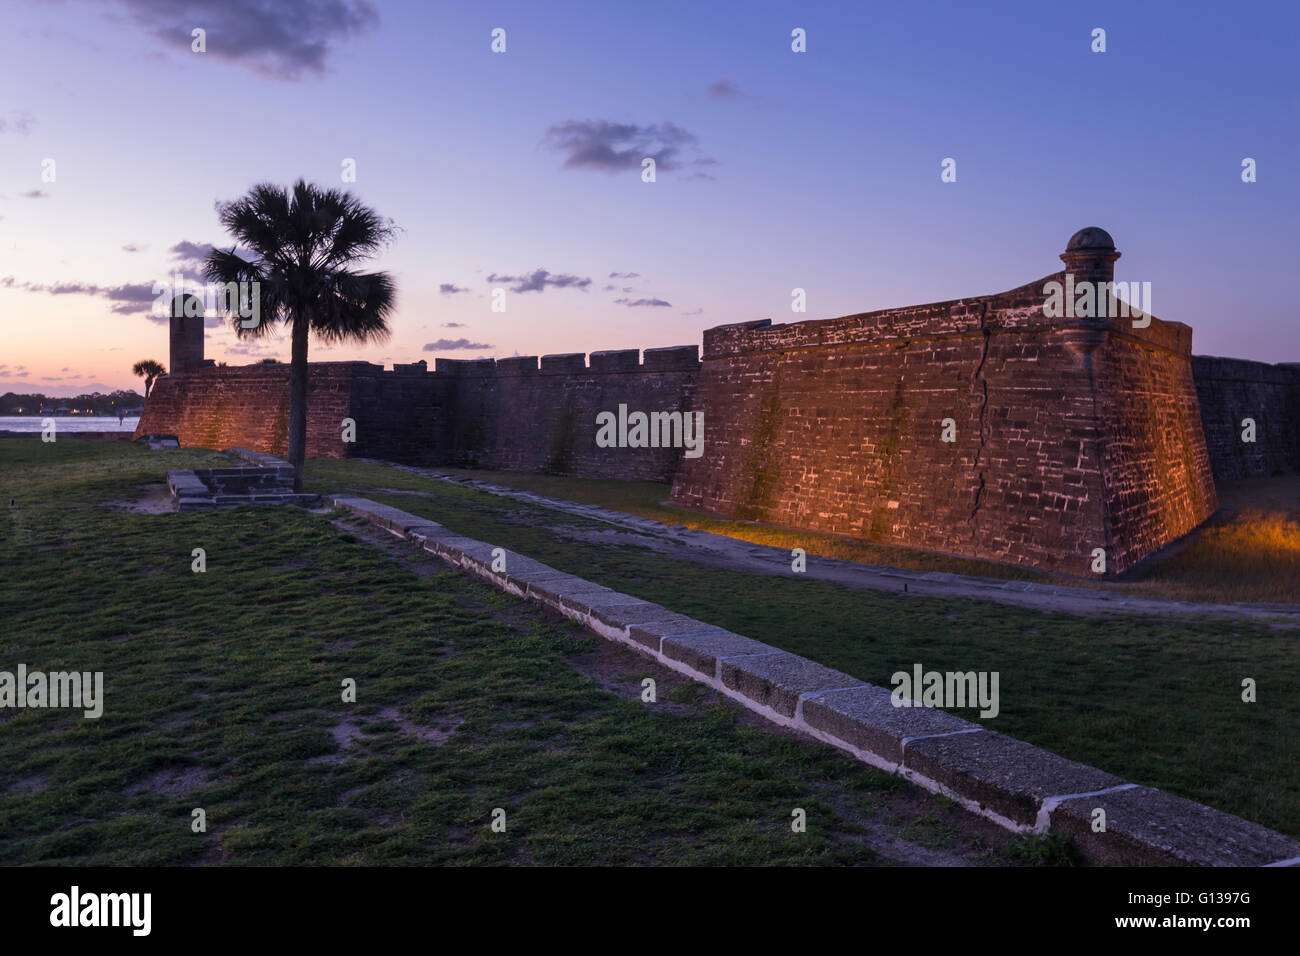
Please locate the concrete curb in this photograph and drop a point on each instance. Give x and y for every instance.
(1018, 786)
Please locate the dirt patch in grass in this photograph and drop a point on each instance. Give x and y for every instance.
(364, 728)
(432, 735)
(155, 499)
(345, 732)
(33, 784)
(171, 781)
(621, 672)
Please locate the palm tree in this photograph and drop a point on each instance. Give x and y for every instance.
(150, 370)
(301, 243)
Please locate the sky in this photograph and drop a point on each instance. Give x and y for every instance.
(775, 170)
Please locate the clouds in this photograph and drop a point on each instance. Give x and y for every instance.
(133, 298)
(455, 345)
(35, 194)
(129, 298)
(19, 122)
(453, 325)
(723, 90)
(634, 303)
(610, 147)
(625, 275)
(539, 281)
(253, 349)
(282, 40)
(189, 256)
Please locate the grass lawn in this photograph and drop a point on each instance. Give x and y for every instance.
(1249, 552)
(1154, 700)
(222, 692)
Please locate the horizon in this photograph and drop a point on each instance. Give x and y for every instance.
(522, 170)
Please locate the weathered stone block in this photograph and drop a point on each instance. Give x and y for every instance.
(652, 634)
(701, 652)
(777, 681)
(624, 616)
(1004, 775)
(1148, 827)
(552, 591)
(866, 718)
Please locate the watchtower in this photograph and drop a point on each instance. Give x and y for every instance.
(186, 333)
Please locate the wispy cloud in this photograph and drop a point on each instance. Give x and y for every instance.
(450, 288)
(453, 325)
(130, 298)
(723, 90)
(633, 303)
(252, 348)
(625, 275)
(283, 40)
(189, 256)
(617, 147)
(17, 121)
(35, 194)
(454, 345)
(539, 281)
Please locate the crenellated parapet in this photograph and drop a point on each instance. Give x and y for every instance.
(677, 358)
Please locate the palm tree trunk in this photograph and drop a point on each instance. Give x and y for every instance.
(298, 400)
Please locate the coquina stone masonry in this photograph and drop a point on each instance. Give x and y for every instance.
(1067, 435)
(521, 414)
(1233, 392)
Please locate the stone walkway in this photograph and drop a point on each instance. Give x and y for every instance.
(704, 547)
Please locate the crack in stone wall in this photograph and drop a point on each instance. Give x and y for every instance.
(984, 405)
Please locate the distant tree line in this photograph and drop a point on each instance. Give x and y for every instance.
(95, 403)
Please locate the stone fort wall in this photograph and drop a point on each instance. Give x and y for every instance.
(1068, 434)
(519, 414)
(522, 414)
(1232, 390)
(248, 406)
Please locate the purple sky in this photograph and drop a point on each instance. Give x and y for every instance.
(522, 170)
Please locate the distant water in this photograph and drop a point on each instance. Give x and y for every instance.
(68, 423)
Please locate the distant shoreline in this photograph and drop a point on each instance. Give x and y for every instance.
(68, 424)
